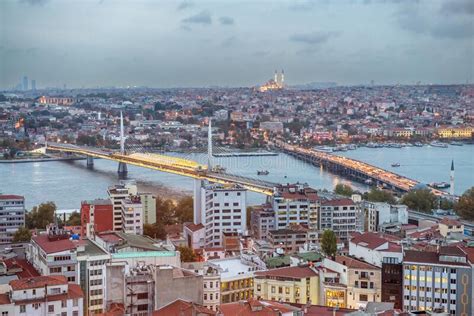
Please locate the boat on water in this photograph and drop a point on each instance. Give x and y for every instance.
(440, 185)
(454, 143)
(439, 144)
(352, 147)
(324, 149)
(368, 181)
(418, 144)
(262, 172)
(395, 164)
(372, 145)
(395, 145)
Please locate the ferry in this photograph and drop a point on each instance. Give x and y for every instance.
(262, 172)
(440, 185)
(395, 164)
(454, 143)
(439, 144)
(395, 145)
(418, 144)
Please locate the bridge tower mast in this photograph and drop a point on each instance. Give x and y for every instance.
(209, 145)
(451, 178)
(122, 167)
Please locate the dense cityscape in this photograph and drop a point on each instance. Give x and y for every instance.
(341, 183)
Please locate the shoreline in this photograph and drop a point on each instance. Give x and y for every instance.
(11, 161)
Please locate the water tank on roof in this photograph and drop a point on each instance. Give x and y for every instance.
(75, 237)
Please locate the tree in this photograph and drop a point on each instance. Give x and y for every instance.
(422, 200)
(74, 219)
(376, 195)
(40, 216)
(155, 231)
(164, 211)
(465, 206)
(23, 234)
(329, 243)
(187, 254)
(183, 211)
(343, 189)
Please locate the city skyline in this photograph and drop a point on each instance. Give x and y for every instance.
(196, 44)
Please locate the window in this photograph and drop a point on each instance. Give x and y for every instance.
(273, 289)
(280, 290)
(75, 302)
(50, 308)
(4, 313)
(22, 308)
(363, 297)
(63, 304)
(142, 296)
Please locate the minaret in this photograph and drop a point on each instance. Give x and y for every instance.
(282, 78)
(451, 178)
(276, 77)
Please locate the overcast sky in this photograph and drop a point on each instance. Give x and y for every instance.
(235, 43)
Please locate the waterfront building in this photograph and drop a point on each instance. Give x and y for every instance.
(437, 280)
(12, 216)
(97, 215)
(132, 212)
(463, 132)
(340, 216)
(295, 204)
(43, 295)
(220, 209)
(298, 284)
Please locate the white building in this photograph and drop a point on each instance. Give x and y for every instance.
(149, 207)
(220, 209)
(340, 216)
(295, 204)
(117, 193)
(44, 295)
(132, 221)
(381, 214)
(211, 283)
(376, 248)
(12, 216)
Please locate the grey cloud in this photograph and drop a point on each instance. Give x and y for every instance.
(314, 38)
(184, 5)
(458, 6)
(34, 2)
(203, 17)
(226, 20)
(229, 41)
(454, 30)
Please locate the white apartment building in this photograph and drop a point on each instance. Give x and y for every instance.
(149, 208)
(210, 281)
(220, 209)
(117, 193)
(340, 216)
(43, 295)
(132, 220)
(295, 204)
(437, 280)
(380, 213)
(12, 216)
(376, 248)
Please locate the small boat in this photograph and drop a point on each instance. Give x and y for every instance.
(454, 143)
(262, 172)
(418, 144)
(324, 149)
(368, 181)
(395, 164)
(440, 185)
(439, 144)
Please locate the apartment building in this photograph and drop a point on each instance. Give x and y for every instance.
(340, 216)
(291, 239)
(448, 227)
(12, 216)
(220, 209)
(211, 283)
(380, 214)
(295, 204)
(96, 215)
(149, 207)
(132, 212)
(299, 284)
(116, 194)
(262, 220)
(437, 280)
(43, 295)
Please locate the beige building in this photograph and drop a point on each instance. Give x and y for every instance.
(291, 239)
(456, 132)
(450, 226)
(364, 282)
(299, 284)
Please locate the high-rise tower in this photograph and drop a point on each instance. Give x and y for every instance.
(451, 179)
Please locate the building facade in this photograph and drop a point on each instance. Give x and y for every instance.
(12, 216)
(97, 215)
(132, 212)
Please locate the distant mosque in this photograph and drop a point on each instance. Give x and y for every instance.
(277, 83)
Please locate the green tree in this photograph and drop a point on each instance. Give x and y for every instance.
(465, 206)
(23, 234)
(343, 189)
(422, 200)
(155, 231)
(40, 216)
(329, 243)
(164, 211)
(187, 254)
(183, 211)
(74, 219)
(376, 195)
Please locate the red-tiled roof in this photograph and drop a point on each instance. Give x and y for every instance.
(183, 308)
(253, 307)
(28, 270)
(53, 246)
(37, 282)
(372, 240)
(338, 202)
(194, 227)
(289, 272)
(450, 222)
(427, 257)
(11, 197)
(353, 263)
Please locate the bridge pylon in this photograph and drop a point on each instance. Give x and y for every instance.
(90, 162)
(122, 167)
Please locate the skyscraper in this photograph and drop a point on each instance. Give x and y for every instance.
(25, 83)
(33, 84)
